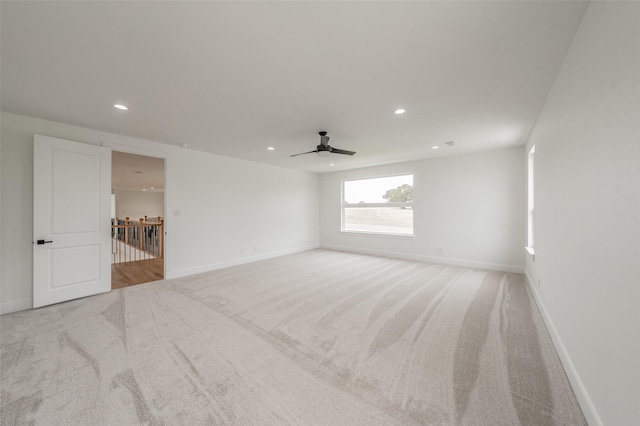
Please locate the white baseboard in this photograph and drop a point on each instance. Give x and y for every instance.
(15, 306)
(234, 262)
(579, 390)
(432, 259)
(22, 304)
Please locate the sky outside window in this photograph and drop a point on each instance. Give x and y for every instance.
(372, 190)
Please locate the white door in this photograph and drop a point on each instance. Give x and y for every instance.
(71, 220)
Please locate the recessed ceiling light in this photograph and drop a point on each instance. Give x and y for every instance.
(143, 189)
(152, 187)
(331, 165)
(435, 147)
(119, 106)
(399, 111)
(271, 148)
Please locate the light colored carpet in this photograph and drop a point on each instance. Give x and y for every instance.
(315, 338)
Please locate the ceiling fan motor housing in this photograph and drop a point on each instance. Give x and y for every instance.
(324, 148)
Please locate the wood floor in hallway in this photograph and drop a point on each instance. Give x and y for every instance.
(133, 273)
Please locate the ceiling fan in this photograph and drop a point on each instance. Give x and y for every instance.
(324, 148)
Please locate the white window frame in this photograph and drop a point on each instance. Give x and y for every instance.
(344, 205)
(531, 200)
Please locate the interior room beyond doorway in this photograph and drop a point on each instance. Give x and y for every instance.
(137, 219)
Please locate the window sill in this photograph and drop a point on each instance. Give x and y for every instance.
(379, 234)
(531, 252)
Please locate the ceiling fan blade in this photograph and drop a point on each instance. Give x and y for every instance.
(341, 151)
(324, 148)
(302, 153)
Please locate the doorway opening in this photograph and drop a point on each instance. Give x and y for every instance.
(137, 219)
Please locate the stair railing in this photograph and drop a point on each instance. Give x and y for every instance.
(137, 240)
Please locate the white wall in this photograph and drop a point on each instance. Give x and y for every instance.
(587, 223)
(220, 211)
(137, 204)
(472, 207)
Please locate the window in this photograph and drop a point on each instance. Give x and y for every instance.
(530, 199)
(380, 205)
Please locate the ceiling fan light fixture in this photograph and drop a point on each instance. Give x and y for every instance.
(324, 149)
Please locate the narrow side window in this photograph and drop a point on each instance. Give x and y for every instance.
(531, 199)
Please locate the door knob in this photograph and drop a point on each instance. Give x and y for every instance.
(43, 242)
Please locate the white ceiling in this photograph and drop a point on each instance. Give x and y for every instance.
(233, 78)
(131, 172)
